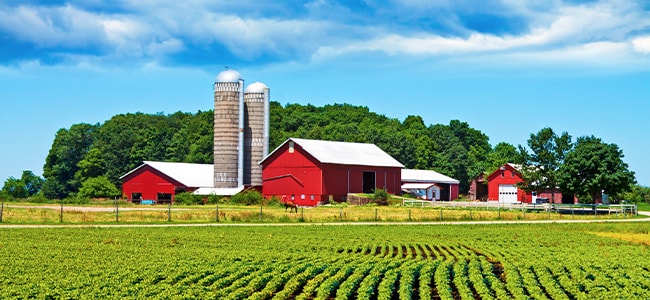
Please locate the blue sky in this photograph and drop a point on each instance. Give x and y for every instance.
(508, 68)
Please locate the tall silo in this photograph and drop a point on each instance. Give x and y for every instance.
(256, 131)
(228, 130)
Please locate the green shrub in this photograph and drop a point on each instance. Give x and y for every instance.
(380, 197)
(247, 198)
(214, 199)
(98, 187)
(188, 199)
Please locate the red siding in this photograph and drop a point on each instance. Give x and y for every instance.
(149, 182)
(495, 179)
(507, 176)
(299, 175)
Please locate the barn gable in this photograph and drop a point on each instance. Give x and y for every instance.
(311, 171)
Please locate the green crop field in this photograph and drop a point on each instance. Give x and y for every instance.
(531, 261)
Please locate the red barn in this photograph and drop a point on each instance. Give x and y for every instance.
(502, 187)
(160, 181)
(312, 171)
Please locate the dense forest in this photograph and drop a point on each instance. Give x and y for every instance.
(89, 157)
(120, 144)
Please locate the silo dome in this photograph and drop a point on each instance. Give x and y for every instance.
(228, 75)
(256, 87)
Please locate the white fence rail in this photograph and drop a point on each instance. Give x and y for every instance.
(624, 209)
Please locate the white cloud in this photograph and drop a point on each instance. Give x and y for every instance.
(642, 44)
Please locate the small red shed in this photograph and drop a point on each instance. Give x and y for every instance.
(310, 172)
(502, 187)
(160, 181)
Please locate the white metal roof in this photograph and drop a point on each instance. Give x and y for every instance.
(190, 175)
(411, 175)
(417, 186)
(344, 153)
(217, 191)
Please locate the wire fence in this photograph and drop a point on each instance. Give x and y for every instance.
(410, 211)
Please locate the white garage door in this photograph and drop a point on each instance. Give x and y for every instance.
(507, 193)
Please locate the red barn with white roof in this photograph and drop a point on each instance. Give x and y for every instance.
(160, 181)
(312, 171)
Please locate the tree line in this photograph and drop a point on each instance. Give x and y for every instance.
(85, 157)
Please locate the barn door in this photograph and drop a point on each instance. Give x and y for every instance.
(368, 182)
(507, 193)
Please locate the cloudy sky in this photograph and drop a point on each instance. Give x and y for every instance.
(508, 68)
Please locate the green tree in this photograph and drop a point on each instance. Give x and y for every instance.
(98, 187)
(594, 167)
(69, 147)
(28, 185)
(93, 165)
(637, 193)
(501, 154)
(15, 188)
(540, 167)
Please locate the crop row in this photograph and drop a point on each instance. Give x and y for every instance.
(359, 262)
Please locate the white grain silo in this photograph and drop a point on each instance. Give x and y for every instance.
(228, 130)
(256, 131)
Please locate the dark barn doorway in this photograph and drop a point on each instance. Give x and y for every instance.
(368, 182)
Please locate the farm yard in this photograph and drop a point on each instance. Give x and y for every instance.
(498, 261)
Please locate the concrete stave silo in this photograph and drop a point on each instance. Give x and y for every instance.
(256, 131)
(228, 130)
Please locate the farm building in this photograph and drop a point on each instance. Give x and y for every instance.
(502, 187)
(310, 172)
(430, 185)
(160, 181)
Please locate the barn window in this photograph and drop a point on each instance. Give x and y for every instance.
(502, 174)
(136, 197)
(512, 174)
(291, 146)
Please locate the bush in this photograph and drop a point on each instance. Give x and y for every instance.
(380, 197)
(98, 187)
(247, 198)
(74, 199)
(214, 199)
(188, 199)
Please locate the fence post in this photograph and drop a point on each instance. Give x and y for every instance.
(260, 212)
(499, 212)
(441, 214)
(524, 214)
(2, 206)
(169, 212)
(61, 213)
(302, 213)
(217, 212)
(375, 214)
(341, 214)
(117, 212)
(409, 215)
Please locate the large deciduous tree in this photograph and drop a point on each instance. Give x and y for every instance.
(540, 167)
(27, 185)
(69, 147)
(594, 167)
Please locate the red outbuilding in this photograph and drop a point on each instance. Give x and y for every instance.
(502, 186)
(160, 181)
(310, 172)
